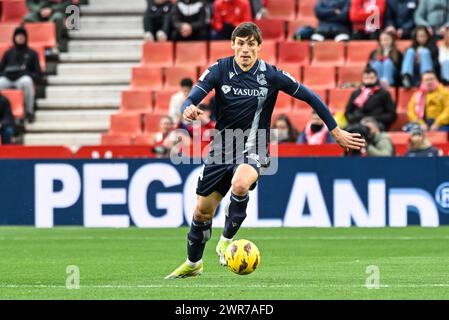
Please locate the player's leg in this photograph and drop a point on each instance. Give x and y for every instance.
(200, 232)
(244, 177)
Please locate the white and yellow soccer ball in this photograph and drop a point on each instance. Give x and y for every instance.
(242, 257)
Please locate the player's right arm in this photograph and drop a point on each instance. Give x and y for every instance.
(206, 83)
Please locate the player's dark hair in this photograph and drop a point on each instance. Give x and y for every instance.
(186, 82)
(247, 30)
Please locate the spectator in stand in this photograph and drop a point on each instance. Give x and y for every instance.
(176, 100)
(443, 58)
(434, 15)
(371, 100)
(419, 145)
(48, 10)
(6, 121)
(258, 9)
(429, 106)
(189, 20)
(19, 67)
(157, 19)
(422, 56)
(228, 14)
(378, 143)
(168, 139)
(399, 18)
(283, 130)
(367, 17)
(334, 20)
(316, 132)
(386, 60)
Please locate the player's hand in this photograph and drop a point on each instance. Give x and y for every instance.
(349, 141)
(191, 113)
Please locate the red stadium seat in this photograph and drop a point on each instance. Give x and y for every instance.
(403, 45)
(147, 78)
(328, 53)
(126, 124)
(145, 139)
(401, 120)
(319, 77)
(193, 53)
(297, 53)
(41, 54)
(269, 52)
(306, 8)
(399, 137)
(350, 74)
(359, 52)
(294, 25)
(108, 139)
(282, 9)
(7, 32)
(272, 29)
(15, 98)
(151, 122)
(301, 105)
(219, 50)
(136, 101)
(404, 97)
(437, 137)
(299, 118)
(14, 10)
(3, 48)
(284, 103)
(160, 54)
(162, 100)
(339, 97)
(41, 34)
(174, 75)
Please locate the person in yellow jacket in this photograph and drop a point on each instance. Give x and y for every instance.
(430, 104)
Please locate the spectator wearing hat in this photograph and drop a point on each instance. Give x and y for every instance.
(419, 145)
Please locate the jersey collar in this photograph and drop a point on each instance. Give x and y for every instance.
(239, 70)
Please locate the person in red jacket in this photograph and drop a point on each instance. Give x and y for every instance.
(227, 15)
(367, 17)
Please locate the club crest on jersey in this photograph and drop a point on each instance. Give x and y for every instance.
(261, 79)
(226, 89)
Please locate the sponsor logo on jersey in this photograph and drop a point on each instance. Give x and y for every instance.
(226, 89)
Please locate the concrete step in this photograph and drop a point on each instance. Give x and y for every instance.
(86, 80)
(84, 92)
(116, 46)
(67, 116)
(134, 7)
(69, 139)
(71, 69)
(132, 56)
(66, 126)
(111, 22)
(116, 34)
(67, 104)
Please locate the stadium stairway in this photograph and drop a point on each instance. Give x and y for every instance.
(90, 77)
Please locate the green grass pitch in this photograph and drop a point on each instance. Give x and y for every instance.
(295, 264)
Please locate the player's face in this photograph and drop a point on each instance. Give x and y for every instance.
(246, 51)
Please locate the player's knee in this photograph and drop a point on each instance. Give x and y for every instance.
(202, 215)
(240, 187)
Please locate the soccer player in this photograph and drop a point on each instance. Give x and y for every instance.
(246, 89)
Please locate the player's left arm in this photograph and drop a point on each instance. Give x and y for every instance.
(292, 87)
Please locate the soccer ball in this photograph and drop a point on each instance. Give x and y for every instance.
(242, 257)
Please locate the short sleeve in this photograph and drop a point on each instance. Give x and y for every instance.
(286, 82)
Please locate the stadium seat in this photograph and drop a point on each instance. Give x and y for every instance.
(319, 77)
(41, 34)
(162, 100)
(401, 120)
(272, 29)
(437, 137)
(297, 53)
(136, 101)
(306, 8)
(294, 25)
(299, 118)
(328, 53)
(108, 139)
(14, 10)
(282, 9)
(350, 74)
(41, 54)
(3, 48)
(158, 54)
(126, 124)
(145, 139)
(147, 78)
(301, 105)
(192, 53)
(404, 97)
(284, 103)
(219, 50)
(338, 98)
(403, 45)
(151, 122)
(7, 32)
(269, 52)
(15, 98)
(399, 137)
(174, 75)
(359, 52)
